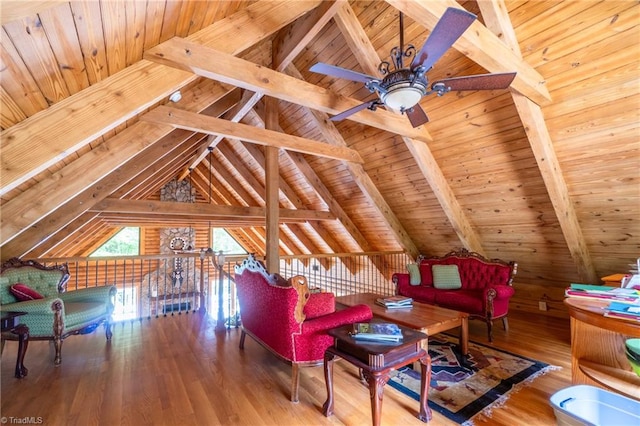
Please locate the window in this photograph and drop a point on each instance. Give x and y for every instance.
(125, 243)
(225, 242)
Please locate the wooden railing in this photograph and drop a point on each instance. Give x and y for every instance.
(149, 286)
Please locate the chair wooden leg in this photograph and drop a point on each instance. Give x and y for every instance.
(57, 342)
(295, 381)
(505, 323)
(242, 336)
(490, 330)
(107, 327)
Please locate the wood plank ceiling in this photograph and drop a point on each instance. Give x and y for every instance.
(545, 173)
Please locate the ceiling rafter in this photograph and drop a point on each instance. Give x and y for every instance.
(152, 207)
(482, 46)
(211, 125)
(38, 142)
(135, 175)
(51, 193)
(362, 179)
(497, 18)
(217, 65)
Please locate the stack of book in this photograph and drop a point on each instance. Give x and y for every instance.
(603, 292)
(377, 332)
(395, 302)
(624, 303)
(622, 310)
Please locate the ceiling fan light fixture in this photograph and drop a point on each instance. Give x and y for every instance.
(402, 96)
(402, 89)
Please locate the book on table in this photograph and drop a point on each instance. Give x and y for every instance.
(377, 332)
(395, 302)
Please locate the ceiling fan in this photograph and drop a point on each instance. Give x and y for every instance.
(402, 87)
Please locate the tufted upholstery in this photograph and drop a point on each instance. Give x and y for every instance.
(60, 314)
(288, 320)
(486, 286)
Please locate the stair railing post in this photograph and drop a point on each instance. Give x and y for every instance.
(220, 263)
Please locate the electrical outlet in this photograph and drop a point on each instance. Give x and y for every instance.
(542, 305)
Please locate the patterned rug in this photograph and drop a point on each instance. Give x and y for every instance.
(462, 389)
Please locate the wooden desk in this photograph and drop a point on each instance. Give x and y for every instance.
(597, 348)
(11, 324)
(426, 318)
(376, 361)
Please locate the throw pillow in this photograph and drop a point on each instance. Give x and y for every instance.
(446, 277)
(23, 292)
(414, 274)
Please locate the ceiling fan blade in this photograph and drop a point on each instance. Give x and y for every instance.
(449, 28)
(334, 71)
(478, 82)
(350, 111)
(417, 116)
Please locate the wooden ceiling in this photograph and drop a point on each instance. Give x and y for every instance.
(545, 173)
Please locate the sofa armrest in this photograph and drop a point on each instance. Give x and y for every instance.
(499, 291)
(45, 307)
(350, 315)
(401, 281)
(319, 304)
(91, 294)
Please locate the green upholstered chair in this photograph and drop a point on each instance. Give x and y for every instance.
(59, 313)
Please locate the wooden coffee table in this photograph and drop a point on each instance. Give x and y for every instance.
(428, 319)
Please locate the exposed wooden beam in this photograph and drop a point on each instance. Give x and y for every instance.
(480, 45)
(49, 194)
(144, 165)
(367, 57)
(170, 219)
(151, 207)
(39, 141)
(216, 110)
(200, 123)
(210, 63)
(323, 192)
(443, 192)
(249, 99)
(289, 42)
(495, 15)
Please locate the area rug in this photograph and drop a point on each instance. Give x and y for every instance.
(464, 388)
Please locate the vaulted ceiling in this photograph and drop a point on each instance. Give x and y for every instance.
(544, 173)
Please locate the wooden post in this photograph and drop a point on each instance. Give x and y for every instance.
(203, 308)
(220, 263)
(272, 178)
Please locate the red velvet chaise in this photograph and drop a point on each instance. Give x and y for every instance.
(288, 320)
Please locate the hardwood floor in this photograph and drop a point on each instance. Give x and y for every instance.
(178, 371)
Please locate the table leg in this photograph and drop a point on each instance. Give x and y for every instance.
(329, 358)
(425, 380)
(23, 341)
(376, 392)
(464, 336)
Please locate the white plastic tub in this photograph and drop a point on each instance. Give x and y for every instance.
(592, 406)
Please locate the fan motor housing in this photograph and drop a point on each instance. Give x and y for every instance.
(402, 89)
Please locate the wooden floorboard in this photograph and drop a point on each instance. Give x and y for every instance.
(178, 371)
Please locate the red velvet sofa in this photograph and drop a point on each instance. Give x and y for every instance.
(485, 285)
(284, 317)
